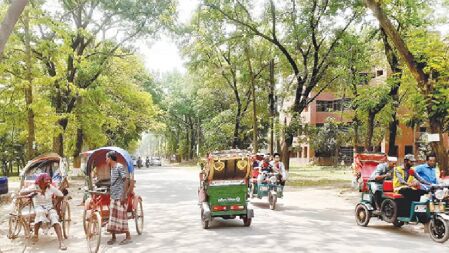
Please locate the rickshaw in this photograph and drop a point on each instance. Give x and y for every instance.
(431, 210)
(22, 214)
(96, 207)
(224, 187)
(265, 183)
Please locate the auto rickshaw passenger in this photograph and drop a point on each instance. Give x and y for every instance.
(384, 171)
(425, 173)
(406, 184)
(279, 167)
(43, 206)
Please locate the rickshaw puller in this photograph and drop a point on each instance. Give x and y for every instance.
(118, 219)
(43, 206)
(384, 171)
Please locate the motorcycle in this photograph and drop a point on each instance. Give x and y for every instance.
(268, 185)
(147, 163)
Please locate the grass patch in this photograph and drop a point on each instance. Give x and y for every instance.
(306, 176)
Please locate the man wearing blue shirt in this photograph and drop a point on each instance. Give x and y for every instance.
(425, 173)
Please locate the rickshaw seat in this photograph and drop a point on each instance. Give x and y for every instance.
(389, 190)
(388, 186)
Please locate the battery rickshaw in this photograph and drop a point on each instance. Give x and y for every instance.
(22, 215)
(431, 210)
(224, 187)
(96, 207)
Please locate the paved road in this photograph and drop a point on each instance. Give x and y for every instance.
(307, 220)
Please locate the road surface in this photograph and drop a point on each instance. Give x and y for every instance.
(307, 220)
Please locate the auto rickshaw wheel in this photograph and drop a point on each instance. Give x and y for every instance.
(362, 215)
(272, 199)
(139, 217)
(93, 235)
(389, 210)
(204, 221)
(66, 219)
(247, 221)
(14, 227)
(439, 229)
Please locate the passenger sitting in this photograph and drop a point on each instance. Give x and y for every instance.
(406, 184)
(425, 173)
(45, 212)
(383, 172)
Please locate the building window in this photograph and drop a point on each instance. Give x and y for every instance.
(304, 152)
(380, 72)
(422, 129)
(408, 149)
(332, 106)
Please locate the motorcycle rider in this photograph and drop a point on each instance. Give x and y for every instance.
(384, 171)
(139, 162)
(147, 162)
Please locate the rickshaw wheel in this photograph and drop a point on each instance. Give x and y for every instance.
(15, 226)
(93, 235)
(138, 217)
(439, 229)
(362, 215)
(204, 221)
(389, 210)
(272, 199)
(85, 220)
(247, 221)
(66, 219)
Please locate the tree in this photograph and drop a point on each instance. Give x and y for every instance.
(425, 76)
(9, 21)
(314, 38)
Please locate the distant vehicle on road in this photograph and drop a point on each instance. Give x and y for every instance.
(155, 161)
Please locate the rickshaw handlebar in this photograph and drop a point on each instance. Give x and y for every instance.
(101, 191)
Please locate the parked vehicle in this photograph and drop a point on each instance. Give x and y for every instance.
(431, 210)
(96, 208)
(156, 161)
(22, 215)
(223, 187)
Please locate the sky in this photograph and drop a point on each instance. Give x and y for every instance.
(163, 55)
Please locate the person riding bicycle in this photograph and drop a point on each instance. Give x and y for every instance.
(384, 171)
(42, 193)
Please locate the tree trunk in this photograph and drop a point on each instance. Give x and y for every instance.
(355, 140)
(370, 131)
(236, 138)
(78, 148)
(425, 87)
(272, 107)
(286, 144)
(9, 21)
(28, 90)
(392, 130)
(253, 95)
(58, 142)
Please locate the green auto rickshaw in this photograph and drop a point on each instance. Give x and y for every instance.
(223, 190)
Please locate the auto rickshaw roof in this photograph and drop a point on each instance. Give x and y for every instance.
(39, 159)
(100, 155)
(229, 154)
